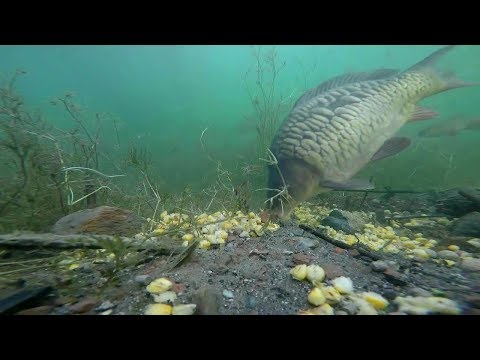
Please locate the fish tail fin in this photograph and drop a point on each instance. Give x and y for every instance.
(446, 80)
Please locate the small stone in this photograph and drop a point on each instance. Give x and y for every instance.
(143, 279)
(448, 255)
(341, 312)
(472, 312)
(332, 271)
(178, 288)
(307, 243)
(397, 313)
(250, 302)
(473, 299)
(228, 294)
(419, 292)
(431, 253)
(395, 277)
(106, 305)
(353, 252)
(301, 258)
(349, 307)
(470, 264)
(379, 266)
(389, 294)
(39, 310)
(84, 305)
(108, 312)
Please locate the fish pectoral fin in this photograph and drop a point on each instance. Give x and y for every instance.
(391, 147)
(420, 113)
(352, 184)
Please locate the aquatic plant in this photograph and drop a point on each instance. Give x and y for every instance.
(268, 103)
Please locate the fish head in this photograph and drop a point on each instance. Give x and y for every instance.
(290, 183)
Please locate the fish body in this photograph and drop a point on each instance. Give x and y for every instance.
(335, 130)
(451, 127)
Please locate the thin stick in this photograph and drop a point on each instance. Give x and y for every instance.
(93, 170)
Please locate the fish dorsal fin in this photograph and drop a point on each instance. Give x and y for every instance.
(343, 80)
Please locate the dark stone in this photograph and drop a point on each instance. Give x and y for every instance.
(332, 271)
(344, 221)
(467, 225)
(395, 278)
(301, 258)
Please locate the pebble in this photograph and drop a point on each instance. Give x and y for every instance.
(228, 294)
(448, 255)
(431, 253)
(302, 258)
(307, 243)
(419, 292)
(143, 279)
(349, 307)
(379, 265)
(395, 277)
(341, 312)
(106, 305)
(84, 305)
(389, 294)
(332, 271)
(472, 264)
(250, 302)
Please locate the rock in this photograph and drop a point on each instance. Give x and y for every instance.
(332, 271)
(143, 279)
(39, 310)
(419, 292)
(250, 302)
(208, 300)
(448, 255)
(341, 312)
(104, 220)
(83, 306)
(473, 299)
(389, 294)
(228, 294)
(178, 288)
(432, 253)
(394, 277)
(345, 221)
(301, 258)
(470, 264)
(379, 266)
(16, 300)
(354, 252)
(472, 312)
(304, 243)
(106, 305)
(467, 225)
(349, 307)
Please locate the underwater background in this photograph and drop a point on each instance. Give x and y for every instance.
(193, 113)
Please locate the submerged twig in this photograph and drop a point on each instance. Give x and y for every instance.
(340, 244)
